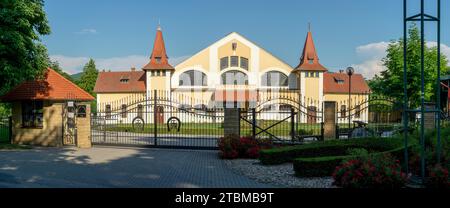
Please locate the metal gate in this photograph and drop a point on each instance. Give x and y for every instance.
(157, 121)
(285, 119)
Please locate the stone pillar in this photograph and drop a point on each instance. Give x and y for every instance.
(232, 121)
(83, 123)
(330, 119)
(430, 118)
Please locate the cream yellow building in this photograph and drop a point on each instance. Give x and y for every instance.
(233, 72)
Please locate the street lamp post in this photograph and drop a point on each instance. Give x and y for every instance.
(350, 71)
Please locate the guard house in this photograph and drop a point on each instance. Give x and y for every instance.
(51, 111)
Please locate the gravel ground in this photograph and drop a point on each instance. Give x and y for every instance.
(278, 175)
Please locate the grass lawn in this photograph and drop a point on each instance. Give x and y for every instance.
(281, 129)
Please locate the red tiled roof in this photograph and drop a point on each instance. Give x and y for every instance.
(108, 82)
(235, 95)
(310, 53)
(330, 84)
(159, 51)
(52, 87)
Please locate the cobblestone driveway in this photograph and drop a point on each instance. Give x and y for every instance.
(117, 167)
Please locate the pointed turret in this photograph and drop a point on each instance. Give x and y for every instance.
(309, 60)
(159, 59)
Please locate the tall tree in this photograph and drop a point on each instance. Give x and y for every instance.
(22, 56)
(390, 81)
(88, 77)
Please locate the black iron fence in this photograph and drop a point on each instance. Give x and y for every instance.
(189, 120)
(157, 121)
(372, 116)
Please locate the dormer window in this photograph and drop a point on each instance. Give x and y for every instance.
(124, 80)
(339, 81)
(158, 60)
(310, 61)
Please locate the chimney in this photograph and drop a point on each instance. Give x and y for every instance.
(341, 71)
(133, 69)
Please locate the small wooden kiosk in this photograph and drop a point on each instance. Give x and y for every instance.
(52, 111)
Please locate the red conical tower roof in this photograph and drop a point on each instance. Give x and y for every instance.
(159, 59)
(310, 60)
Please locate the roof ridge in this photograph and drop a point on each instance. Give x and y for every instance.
(70, 82)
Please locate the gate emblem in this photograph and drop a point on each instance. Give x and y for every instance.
(173, 123)
(138, 124)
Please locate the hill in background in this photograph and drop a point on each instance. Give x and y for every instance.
(76, 76)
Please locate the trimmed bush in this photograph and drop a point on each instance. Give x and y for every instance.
(328, 148)
(324, 166)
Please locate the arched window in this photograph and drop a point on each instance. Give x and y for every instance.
(193, 78)
(234, 77)
(274, 79)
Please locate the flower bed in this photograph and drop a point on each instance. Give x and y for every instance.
(233, 147)
(324, 166)
(376, 171)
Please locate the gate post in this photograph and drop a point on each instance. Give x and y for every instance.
(330, 120)
(232, 122)
(83, 128)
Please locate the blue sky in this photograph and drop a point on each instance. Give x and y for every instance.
(119, 34)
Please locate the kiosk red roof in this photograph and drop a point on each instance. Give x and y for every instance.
(53, 86)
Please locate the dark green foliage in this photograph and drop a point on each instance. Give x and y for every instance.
(328, 148)
(324, 166)
(22, 56)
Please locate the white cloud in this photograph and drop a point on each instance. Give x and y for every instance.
(73, 65)
(372, 54)
(87, 31)
(444, 48)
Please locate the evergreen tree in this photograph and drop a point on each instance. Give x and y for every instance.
(88, 77)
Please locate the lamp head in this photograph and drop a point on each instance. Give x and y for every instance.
(350, 71)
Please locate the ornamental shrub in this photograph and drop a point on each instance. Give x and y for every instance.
(381, 171)
(228, 147)
(233, 147)
(438, 177)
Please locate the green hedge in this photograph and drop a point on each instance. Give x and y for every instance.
(328, 148)
(324, 166)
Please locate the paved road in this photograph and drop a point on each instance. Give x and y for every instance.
(117, 167)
